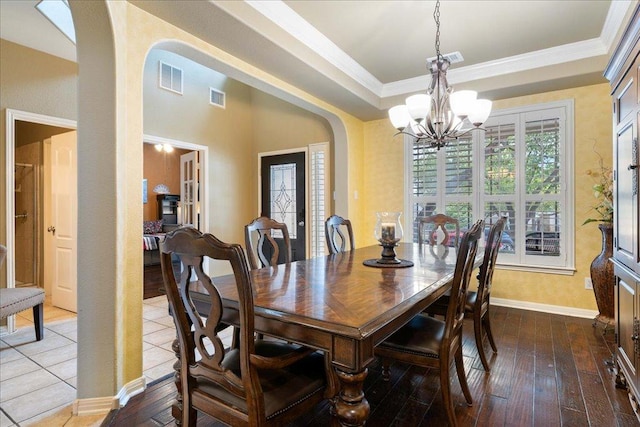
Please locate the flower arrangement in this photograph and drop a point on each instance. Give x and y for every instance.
(603, 192)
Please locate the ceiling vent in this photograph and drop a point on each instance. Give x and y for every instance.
(170, 78)
(453, 57)
(217, 97)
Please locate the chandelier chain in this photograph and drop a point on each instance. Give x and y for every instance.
(436, 17)
(439, 116)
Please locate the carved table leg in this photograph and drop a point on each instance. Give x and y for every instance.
(351, 407)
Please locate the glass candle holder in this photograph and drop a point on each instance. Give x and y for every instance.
(388, 232)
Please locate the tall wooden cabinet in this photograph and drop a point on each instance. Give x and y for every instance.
(623, 71)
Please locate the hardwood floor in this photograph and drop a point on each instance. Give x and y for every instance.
(153, 284)
(550, 370)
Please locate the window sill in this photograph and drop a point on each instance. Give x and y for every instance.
(563, 271)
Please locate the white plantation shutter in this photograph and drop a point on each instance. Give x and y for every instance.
(517, 167)
(459, 186)
(319, 199)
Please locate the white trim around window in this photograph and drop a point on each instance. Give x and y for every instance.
(527, 176)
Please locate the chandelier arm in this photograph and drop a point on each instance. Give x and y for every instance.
(430, 127)
(441, 125)
(418, 138)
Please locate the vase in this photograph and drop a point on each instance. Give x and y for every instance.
(603, 279)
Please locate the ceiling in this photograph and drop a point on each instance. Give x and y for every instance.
(365, 56)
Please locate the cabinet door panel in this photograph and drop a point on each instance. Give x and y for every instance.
(626, 315)
(626, 190)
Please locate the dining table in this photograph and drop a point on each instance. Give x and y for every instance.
(339, 305)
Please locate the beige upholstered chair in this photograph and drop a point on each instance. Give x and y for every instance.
(15, 300)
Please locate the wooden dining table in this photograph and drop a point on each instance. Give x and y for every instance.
(344, 308)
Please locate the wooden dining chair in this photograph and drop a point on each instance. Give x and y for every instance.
(337, 241)
(431, 226)
(263, 249)
(258, 383)
(431, 342)
(478, 302)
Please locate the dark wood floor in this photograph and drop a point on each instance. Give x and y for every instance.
(153, 285)
(550, 370)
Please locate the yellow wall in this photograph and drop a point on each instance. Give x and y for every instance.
(384, 175)
(592, 127)
(135, 33)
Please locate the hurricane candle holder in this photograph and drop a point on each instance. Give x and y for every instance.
(388, 232)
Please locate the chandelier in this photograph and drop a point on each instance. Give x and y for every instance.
(440, 115)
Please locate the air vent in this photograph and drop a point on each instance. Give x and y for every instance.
(453, 57)
(170, 78)
(216, 97)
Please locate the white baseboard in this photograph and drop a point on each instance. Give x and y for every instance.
(545, 308)
(102, 405)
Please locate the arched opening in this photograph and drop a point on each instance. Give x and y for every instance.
(110, 130)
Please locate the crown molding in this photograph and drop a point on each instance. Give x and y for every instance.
(615, 21)
(513, 64)
(287, 19)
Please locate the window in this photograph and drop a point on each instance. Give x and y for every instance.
(170, 77)
(58, 12)
(517, 167)
(319, 196)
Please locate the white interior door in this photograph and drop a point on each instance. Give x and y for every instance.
(63, 221)
(189, 189)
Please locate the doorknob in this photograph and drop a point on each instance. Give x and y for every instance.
(52, 229)
(301, 224)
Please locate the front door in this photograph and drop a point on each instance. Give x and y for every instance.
(63, 221)
(283, 196)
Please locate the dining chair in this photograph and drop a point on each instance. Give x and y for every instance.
(478, 302)
(258, 383)
(430, 342)
(336, 239)
(263, 249)
(436, 224)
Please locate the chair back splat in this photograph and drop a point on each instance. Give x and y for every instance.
(263, 248)
(435, 224)
(433, 343)
(258, 382)
(334, 228)
(461, 279)
(479, 307)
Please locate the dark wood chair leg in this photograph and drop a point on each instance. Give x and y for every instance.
(38, 320)
(445, 388)
(462, 376)
(477, 330)
(486, 321)
(386, 372)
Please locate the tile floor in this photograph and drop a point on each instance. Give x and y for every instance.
(38, 379)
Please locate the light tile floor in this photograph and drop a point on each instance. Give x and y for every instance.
(38, 378)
